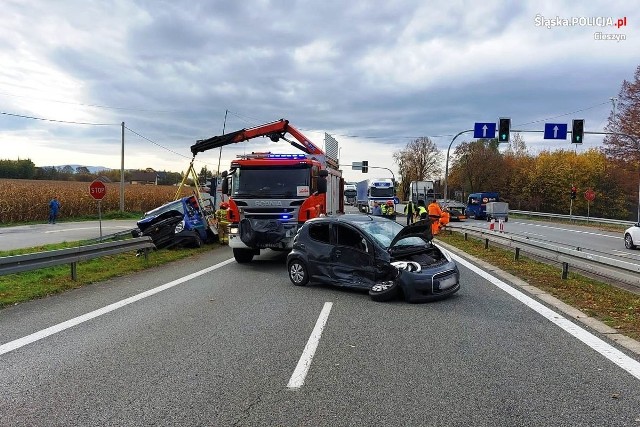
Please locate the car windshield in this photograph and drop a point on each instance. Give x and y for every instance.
(385, 231)
(173, 206)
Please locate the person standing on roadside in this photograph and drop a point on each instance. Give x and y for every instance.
(54, 208)
(409, 210)
(377, 210)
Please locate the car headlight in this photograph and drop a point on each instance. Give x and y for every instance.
(233, 230)
(446, 254)
(179, 227)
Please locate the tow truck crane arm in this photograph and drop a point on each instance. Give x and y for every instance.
(274, 130)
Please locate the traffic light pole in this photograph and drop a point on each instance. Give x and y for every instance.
(446, 173)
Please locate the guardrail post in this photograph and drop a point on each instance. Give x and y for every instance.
(465, 236)
(517, 255)
(74, 271)
(486, 243)
(565, 270)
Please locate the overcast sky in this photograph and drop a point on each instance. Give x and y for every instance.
(373, 74)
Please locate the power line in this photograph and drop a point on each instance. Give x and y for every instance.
(59, 121)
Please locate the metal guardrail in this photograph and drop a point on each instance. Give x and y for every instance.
(573, 217)
(601, 265)
(38, 260)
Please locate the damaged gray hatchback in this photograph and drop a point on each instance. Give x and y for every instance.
(375, 254)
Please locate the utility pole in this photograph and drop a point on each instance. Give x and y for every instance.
(122, 172)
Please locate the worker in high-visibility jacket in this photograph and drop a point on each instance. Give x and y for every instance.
(421, 211)
(435, 212)
(223, 223)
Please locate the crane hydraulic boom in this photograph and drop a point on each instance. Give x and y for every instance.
(274, 130)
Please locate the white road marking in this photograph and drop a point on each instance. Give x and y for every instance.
(36, 336)
(300, 373)
(613, 354)
(64, 230)
(571, 230)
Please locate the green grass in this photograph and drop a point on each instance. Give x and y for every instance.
(615, 307)
(16, 288)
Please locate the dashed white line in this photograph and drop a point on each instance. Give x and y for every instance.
(300, 373)
(21, 342)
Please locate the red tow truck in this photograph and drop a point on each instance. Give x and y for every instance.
(272, 195)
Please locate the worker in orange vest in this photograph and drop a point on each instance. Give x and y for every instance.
(434, 214)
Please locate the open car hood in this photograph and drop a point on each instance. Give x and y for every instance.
(166, 218)
(420, 229)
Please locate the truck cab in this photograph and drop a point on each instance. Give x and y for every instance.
(477, 204)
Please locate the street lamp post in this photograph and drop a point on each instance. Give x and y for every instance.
(446, 167)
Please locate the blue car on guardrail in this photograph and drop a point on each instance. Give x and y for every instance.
(177, 223)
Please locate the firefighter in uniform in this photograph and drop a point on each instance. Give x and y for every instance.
(421, 211)
(223, 223)
(388, 210)
(434, 214)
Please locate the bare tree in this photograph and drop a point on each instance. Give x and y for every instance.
(419, 160)
(625, 120)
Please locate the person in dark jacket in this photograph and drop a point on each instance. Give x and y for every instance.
(409, 210)
(54, 208)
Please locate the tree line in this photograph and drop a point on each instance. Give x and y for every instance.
(26, 169)
(542, 182)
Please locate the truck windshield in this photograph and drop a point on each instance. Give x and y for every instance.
(382, 192)
(289, 183)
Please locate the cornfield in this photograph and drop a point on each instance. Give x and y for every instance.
(28, 200)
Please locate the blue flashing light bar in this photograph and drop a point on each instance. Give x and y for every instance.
(287, 156)
(285, 216)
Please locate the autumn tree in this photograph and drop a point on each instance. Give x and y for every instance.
(625, 120)
(477, 166)
(419, 160)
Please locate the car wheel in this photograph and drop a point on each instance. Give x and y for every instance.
(628, 242)
(243, 256)
(197, 242)
(384, 291)
(298, 273)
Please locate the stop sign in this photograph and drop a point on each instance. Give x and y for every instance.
(97, 190)
(590, 195)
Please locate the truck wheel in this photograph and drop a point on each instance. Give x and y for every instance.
(243, 256)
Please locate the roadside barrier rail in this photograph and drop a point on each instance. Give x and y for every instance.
(572, 217)
(37, 260)
(603, 265)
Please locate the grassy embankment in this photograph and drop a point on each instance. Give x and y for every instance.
(615, 307)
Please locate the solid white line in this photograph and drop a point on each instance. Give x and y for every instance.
(613, 354)
(21, 342)
(300, 373)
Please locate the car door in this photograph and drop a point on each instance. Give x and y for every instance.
(318, 249)
(352, 257)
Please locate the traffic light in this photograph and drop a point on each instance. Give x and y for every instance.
(365, 166)
(574, 191)
(503, 130)
(577, 131)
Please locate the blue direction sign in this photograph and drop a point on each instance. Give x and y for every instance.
(555, 131)
(484, 130)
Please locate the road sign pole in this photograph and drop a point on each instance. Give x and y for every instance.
(100, 217)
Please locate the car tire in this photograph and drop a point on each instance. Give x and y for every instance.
(243, 256)
(384, 291)
(506, 219)
(298, 272)
(197, 242)
(628, 242)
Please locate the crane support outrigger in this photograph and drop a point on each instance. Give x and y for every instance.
(272, 195)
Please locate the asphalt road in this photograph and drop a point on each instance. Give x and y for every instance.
(220, 347)
(29, 236)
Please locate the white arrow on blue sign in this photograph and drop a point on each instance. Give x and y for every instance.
(555, 131)
(484, 130)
